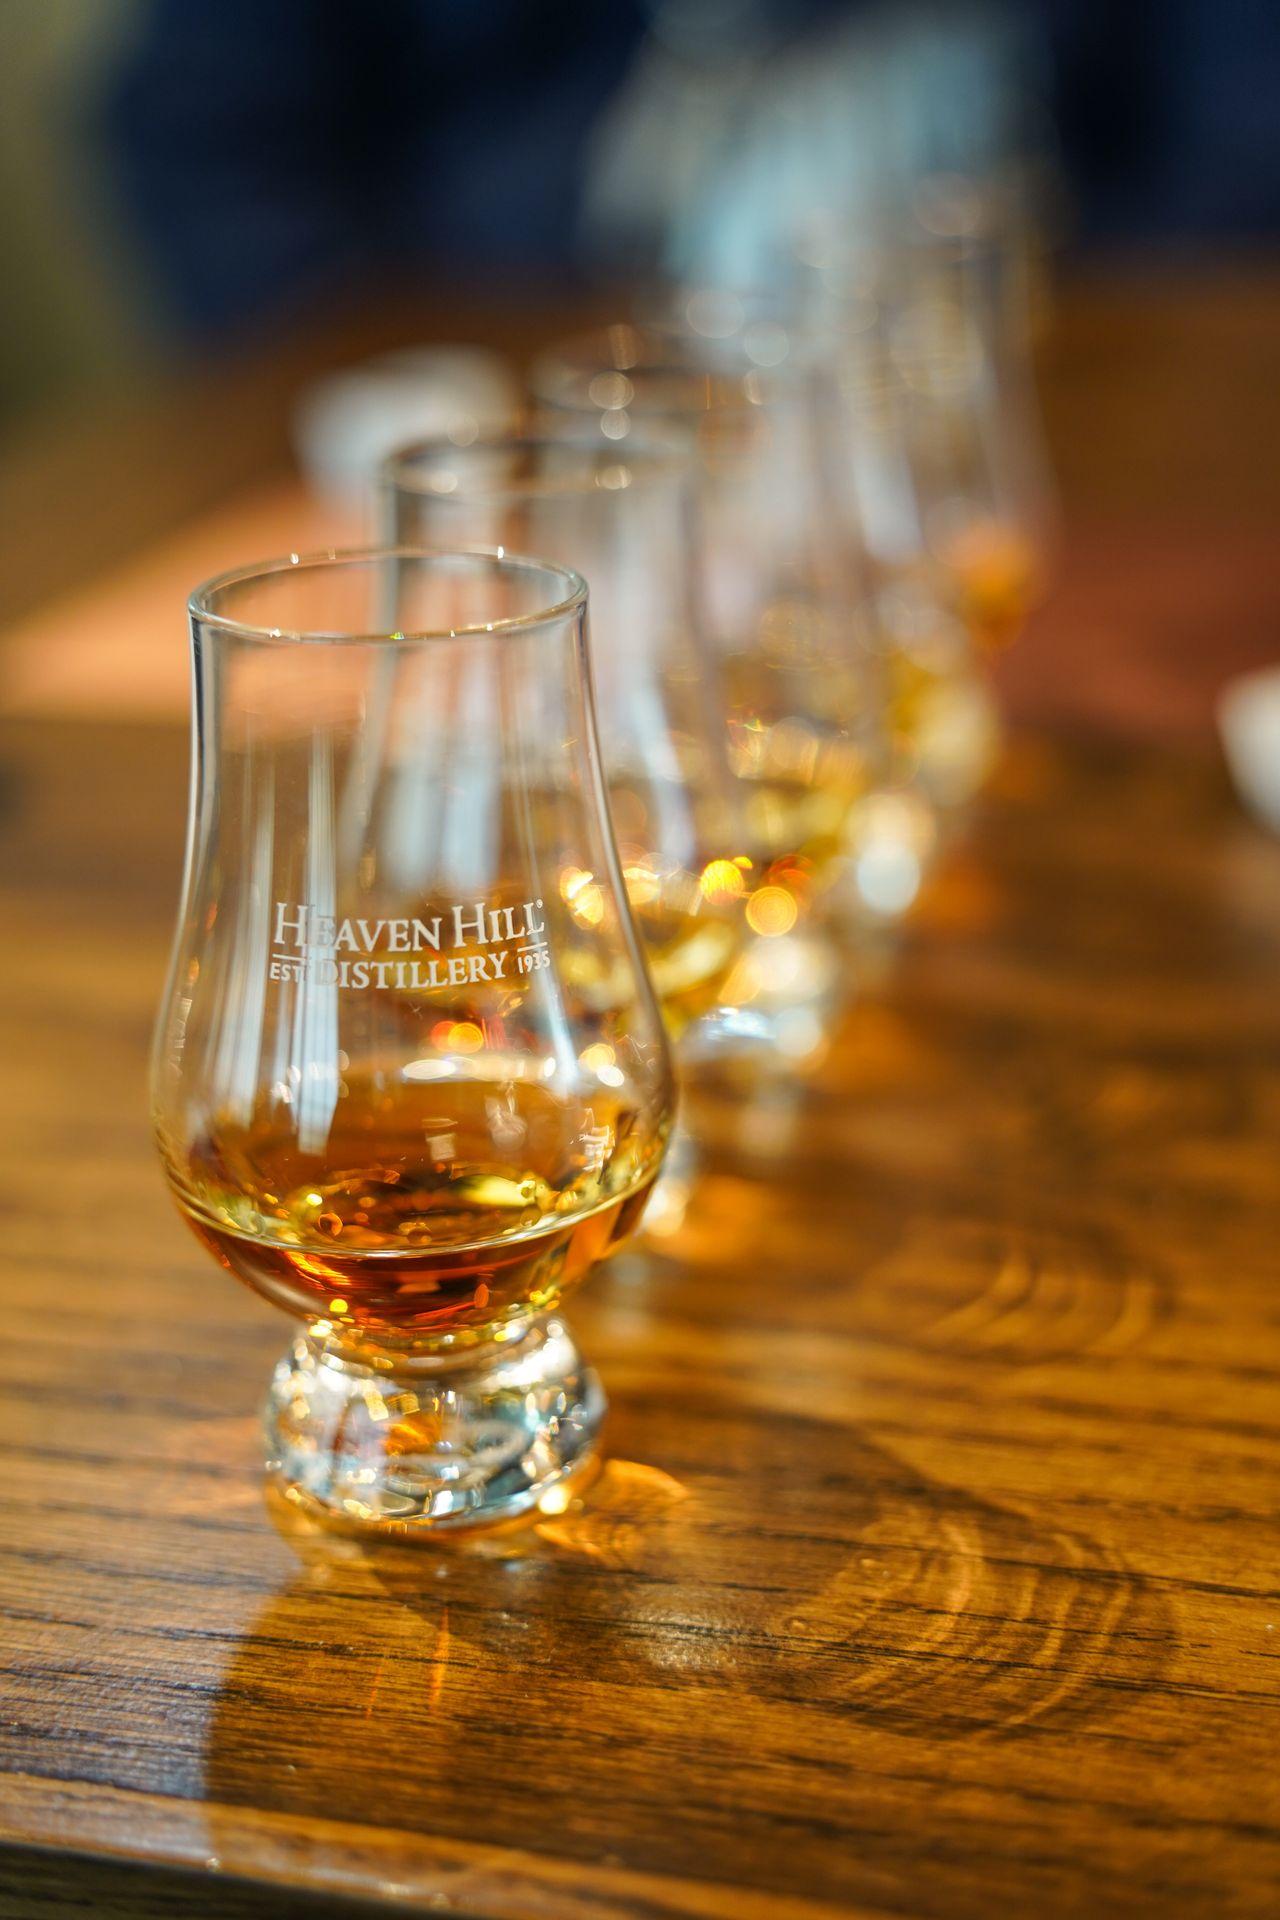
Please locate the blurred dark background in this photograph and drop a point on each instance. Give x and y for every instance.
(178, 174)
(211, 205)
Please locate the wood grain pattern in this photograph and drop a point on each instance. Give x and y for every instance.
(933, 1569)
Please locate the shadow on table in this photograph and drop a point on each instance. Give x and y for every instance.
(731, 1641)
(62, 1886)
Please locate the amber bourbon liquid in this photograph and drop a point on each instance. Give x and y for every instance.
(436, 1210)
(801, 775)
(689, 919)
(996, 573)
(690, 954)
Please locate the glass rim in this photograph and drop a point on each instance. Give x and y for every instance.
(201, 601)
(721, 365)
(654, 457)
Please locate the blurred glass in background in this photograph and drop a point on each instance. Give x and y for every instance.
(178, 173)
(782, 608)
(623, 514)
(264, 227)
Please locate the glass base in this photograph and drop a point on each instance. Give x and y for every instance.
(794, 989)
(448, 1441)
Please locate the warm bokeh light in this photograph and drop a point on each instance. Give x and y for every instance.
(457, 1036)
(642, 883)
(583, 897)
(722, 882)
(771, 911)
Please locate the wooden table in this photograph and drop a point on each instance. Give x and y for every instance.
(933, 1571)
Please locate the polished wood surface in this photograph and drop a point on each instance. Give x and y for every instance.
(933, 1566)
(933, 1570)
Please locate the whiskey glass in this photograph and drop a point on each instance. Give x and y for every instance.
(621, 516)
(953, 312)
(786, 619)
(944, 722)
(400, 1087)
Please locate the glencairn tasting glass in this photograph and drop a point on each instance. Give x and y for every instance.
(930, 333)
(784, 615)
(621, 515)
(944, 722)
(401, 1089)
(953, 310)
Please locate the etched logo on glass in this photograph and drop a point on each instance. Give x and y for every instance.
(462, 946)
